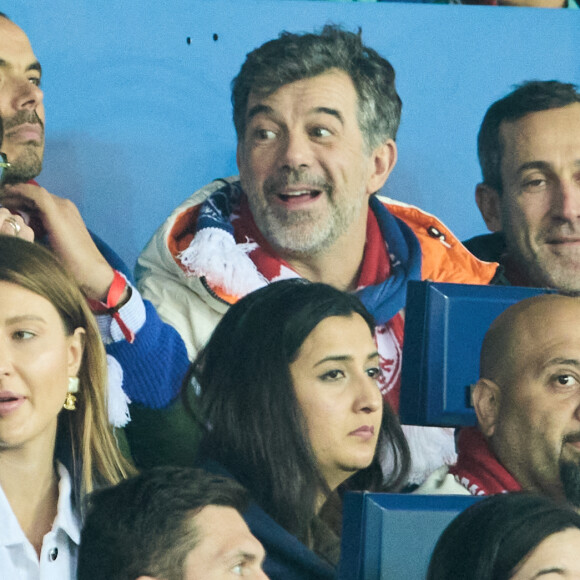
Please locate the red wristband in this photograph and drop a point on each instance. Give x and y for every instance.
(113, 304)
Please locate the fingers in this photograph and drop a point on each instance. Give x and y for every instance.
(67, 233)
(14, 225)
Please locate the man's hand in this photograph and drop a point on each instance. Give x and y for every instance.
(67, 234)
(13, 225)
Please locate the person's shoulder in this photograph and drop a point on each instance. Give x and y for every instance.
(445, 259)
(425, 225)
(287, 557)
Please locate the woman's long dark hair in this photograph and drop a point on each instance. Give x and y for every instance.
(255, 426)
(491, 539)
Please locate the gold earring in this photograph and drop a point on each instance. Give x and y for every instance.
(70, 400)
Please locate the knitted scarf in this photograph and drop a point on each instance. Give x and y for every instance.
(477, 468)
(229, 251)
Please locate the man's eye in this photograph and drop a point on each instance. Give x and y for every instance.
(34, 81)
(535, 184)
(238, 569)
(265, 134)
(374, 372)
(566, 380)
(320, 132)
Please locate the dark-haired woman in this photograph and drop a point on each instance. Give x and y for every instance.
(288, 392)
(513, 536)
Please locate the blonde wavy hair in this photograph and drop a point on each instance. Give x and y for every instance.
(85, 441)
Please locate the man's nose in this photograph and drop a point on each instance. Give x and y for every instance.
(297, 150)
(27, 95)
(566, 199)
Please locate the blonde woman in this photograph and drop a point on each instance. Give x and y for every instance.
(56, 444)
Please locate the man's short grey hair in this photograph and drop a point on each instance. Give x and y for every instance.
(293, 57)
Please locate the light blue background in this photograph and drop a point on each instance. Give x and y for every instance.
(137, 119)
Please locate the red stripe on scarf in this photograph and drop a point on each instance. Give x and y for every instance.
(477, 468)
(375, 269)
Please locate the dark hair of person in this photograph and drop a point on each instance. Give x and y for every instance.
(491, 539)
(529, 97)
(292, 57)
(145, 525)
(256, 427)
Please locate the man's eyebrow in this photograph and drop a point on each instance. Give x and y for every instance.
(257, 109)
(543, 165)
(244, 556)
(328, 111)
(261, 108)
(32, 66)
(35, 66)
(561, 361)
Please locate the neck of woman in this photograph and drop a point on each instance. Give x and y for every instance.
(29, 480)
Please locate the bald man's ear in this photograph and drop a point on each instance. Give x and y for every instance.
(485, 397)
(489, 203)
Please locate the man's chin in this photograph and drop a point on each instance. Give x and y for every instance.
(556, 272)
(570, 478)
(22, 171)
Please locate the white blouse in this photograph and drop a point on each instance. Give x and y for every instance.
(58, 557)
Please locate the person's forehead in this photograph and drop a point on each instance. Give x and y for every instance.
(539, 132)
(14, 43)
(332, 336)
(222, 541)
(547, 332)
(221, 530)
(332, 86)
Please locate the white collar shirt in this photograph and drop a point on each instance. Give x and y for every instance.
(58, 557)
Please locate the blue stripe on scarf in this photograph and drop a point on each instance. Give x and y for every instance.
(384, 300)
(216, 210)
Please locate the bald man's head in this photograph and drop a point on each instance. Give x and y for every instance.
(505, 343)
(527, 399)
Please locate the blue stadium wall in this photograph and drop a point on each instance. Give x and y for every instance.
(138, 103)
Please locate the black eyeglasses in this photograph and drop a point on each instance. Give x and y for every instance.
(3, 164)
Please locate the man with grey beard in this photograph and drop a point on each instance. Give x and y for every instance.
(527, 403)
(316, 117)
